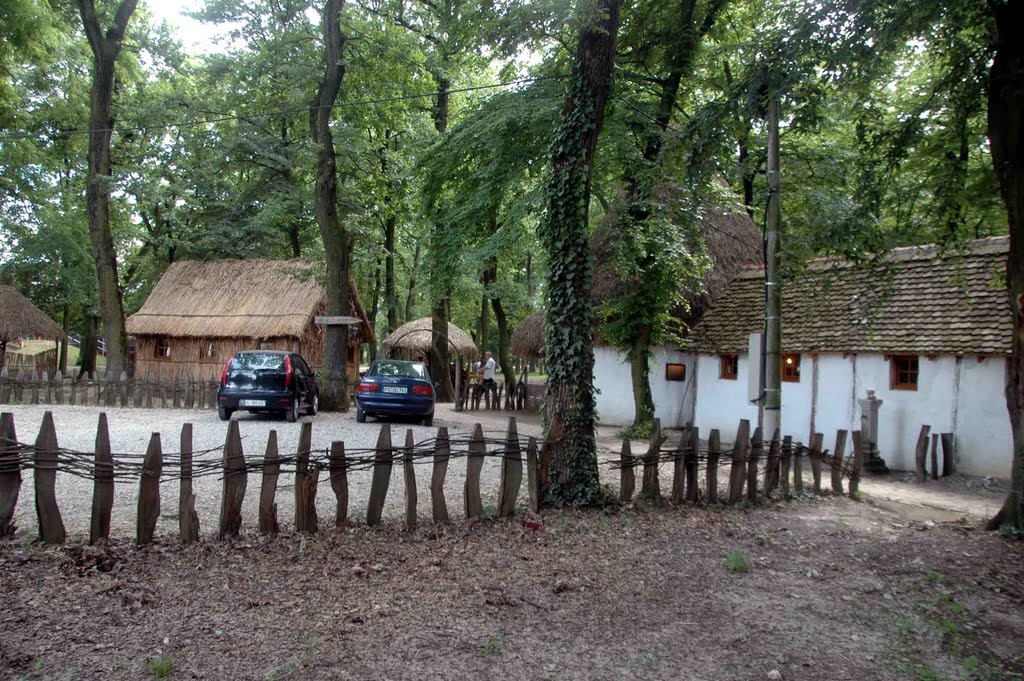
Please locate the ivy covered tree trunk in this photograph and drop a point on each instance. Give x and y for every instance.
(105, 49)
(337, 240)
(1006, 137)
(640, 372)
(569, 464)
(440, 358)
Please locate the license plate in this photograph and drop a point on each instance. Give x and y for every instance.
(252, 403)
(401, 389)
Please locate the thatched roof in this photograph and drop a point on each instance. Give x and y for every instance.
(733, 243)
(528, 338)
(19, 318)
(416, 336)
(237, 299)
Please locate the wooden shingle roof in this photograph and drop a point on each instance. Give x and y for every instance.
(914, 301)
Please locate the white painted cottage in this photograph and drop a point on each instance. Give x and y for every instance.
(930, 333)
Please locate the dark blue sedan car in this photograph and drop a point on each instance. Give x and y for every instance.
(394, 387)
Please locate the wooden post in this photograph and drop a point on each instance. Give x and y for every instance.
(786, 460)
(235, 481)
(337, 468)
(58, 387)
(532, 483)
(627, 473)
(382, 462)
(190, 396)
(948, 455)
(51, 526)
(47, 389)
(122, 389)
(798, 468)
(858, 464)
(35, 387)
(771, 468)
(305, 507)
(268, 487)
(678, 469)
(692, 460)
(511, 472)
(935, 456)
(148, 509)
(756, 450)
(838, 456)
(442, 452)
(74, 392)
(103, 485)
(650, 489)
(711, 476)
(474, 505)
(10, 474)
(408, 468)
(921, 453)
(817, 441)
(738, 471)
(188, 519)
(149, 392)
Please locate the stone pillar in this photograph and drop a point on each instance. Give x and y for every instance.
(873, 462)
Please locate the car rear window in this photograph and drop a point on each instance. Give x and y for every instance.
(256, 361)
(399, 370)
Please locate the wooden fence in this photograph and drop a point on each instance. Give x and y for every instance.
(31, 387)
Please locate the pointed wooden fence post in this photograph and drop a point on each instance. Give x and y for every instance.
(51, 526)
(268, 487)
(858, 464)
(650, 488)
(532, 481)
(337, 468)
(692, 461)
(382, 462)
(785, 462)
(756, 450)
(921, 453)
(474, 505)
(73, 400)
(103, 484)
(678, 467)
(408, 468)
(817, 445)
(58, 387)
(235, 481)
(838, 456)
(305, 507)
(935, 456)
(627, 474)
(442, 452)
(188, 519)
(10, 474)
(511, 472)
(771, 468)
(738, 471)
(798, 468)
(948, 455)
(122, 389)
(148, 509)
(711, 476)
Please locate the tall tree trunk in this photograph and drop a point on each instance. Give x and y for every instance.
(105, 49)
(1006, 138)
(390, 290)
(569, 463)
(640, 373)
(504, 344)
(337, 239)
(439, 355)
(65, 324)
(87, 351)
(410, 298)
(484, 323)
(374, 307)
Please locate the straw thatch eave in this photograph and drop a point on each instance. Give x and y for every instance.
(528, 338)
(416, 336)
(19, 318)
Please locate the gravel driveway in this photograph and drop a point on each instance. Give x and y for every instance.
(130, 431)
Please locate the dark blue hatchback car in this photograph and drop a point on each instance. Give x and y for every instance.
(394, 387)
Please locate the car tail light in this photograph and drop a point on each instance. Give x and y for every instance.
(368, 387)
(287, 371)
(224, 374)
(424, 390)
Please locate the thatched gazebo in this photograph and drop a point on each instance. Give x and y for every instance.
(416, 337)
(19, 318)
(528, 338)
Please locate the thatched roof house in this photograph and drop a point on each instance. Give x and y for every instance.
(528, 338)
(200, 313)
(19, 318)
(416, 336)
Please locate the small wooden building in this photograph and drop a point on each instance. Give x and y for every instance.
(200, 313)
(20, 319)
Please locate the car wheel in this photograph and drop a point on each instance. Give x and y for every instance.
(314, 406)
(360, 415)
(224, 413)
(428, 421)
(292, 415)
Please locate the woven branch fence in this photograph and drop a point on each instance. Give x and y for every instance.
(32, 387)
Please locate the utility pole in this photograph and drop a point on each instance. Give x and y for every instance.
(771, 405)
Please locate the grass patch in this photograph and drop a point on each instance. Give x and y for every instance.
(737, 561)
(494, 645)
(160, 667)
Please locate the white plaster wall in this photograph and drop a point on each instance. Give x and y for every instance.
(721, 403)
(673, 400)
(835, 408)
(796, 403)
(984, 441)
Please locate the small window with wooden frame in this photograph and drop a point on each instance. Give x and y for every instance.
(675, 372)
(903, 372)
(163, 348)
(791, 368)
(728, 367)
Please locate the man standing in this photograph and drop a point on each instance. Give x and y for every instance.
(490, 387)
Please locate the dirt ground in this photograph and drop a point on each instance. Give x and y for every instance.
(813, 589)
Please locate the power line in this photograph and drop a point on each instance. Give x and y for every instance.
(276, 112)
